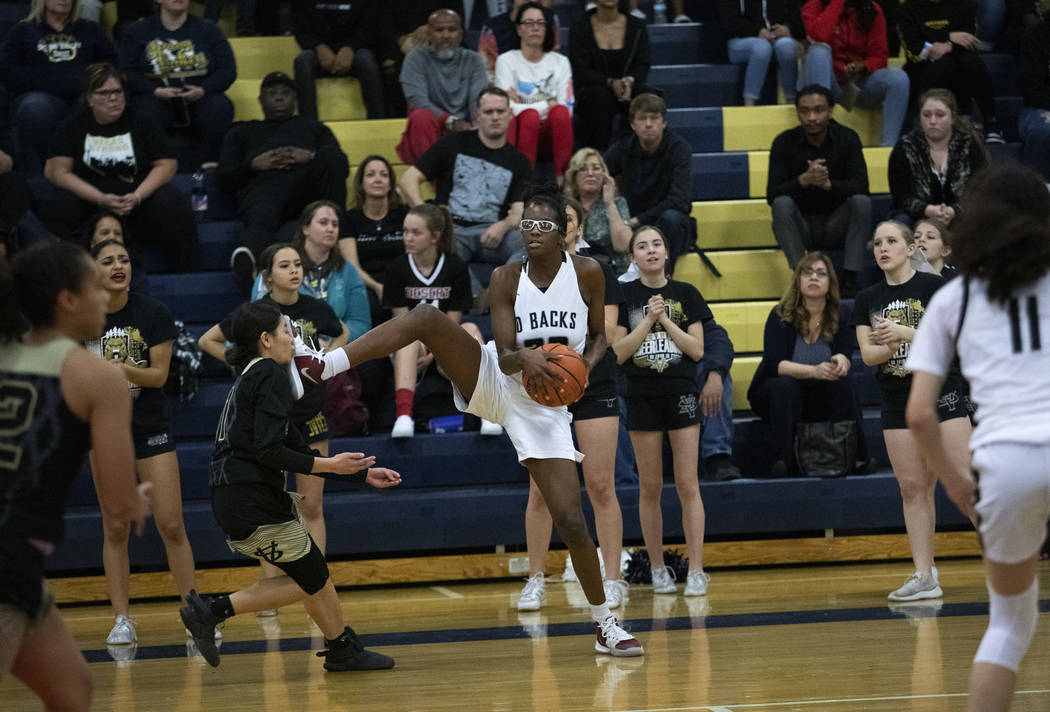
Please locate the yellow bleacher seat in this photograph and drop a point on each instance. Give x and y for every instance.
(742, 371)
(745, 322)
(361, 138)
(746, 274)
(339, 99)
(877, 159)
(244, 93)
(753, 128)
(724, 224)
(258, 56)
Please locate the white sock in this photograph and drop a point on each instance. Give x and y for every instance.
(335, 362)
(600, 612)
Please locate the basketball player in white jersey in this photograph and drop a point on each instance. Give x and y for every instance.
(552, 297)
(996, 318)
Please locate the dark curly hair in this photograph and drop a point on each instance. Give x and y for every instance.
(549, 196)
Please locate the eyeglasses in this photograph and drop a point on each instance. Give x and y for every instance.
(108, 93)
(532, 23)
(541, 225)
(818, 273)
(592, 169)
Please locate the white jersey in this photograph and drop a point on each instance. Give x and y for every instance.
(556, 315)
(1001, 353)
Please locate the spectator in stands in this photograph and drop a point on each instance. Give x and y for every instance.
(804, 375)
(1034, 75)
(539, 82)
(105, 225)
(1020, 15)
(14, 203)
(818, 186)
(653, 168)
(935, 240)
(103, 156)
(596, 422)
(500, 32)
(326, 275)
(245, 15)
(372, 233)
(276, 166)
(930, 164)
(941, 49)
(609, 52)
(759, 31)
(336, 40)
(430, 272)
(607, 221)
(42, 61)
(886, 316)
(481, 178)
(716, 405)
(138, 339)
(178, 66)
(849, 57)
(441, 82)
(659, 341)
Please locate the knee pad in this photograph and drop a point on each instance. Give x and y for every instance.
(1011, 625)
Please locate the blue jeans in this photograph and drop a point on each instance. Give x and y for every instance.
(990, 16)
(716, 438)
(756, 53)
(1035, 133)
(36, 116)
(885, 86)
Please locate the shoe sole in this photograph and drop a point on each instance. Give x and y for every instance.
(695, 593)
(379, 662)
(920, 596)
(664, 591)
(617, 653)
(205, 644)
(530, 606)
(120, 642)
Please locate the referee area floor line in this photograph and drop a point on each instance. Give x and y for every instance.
(796, 703)
(553, 630)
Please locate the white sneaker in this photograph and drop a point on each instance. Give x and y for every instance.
(488, 428)
(696, 583)
(663, 580)
(534, 593)
(681, 19)
(916, 588)
(123, 632)
(404, 427)
(639, 14)
(615, 593)
(615, 641)
(569, 574)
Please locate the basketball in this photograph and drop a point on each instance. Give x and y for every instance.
(571, 373)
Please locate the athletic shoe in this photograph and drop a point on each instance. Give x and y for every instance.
(404, 427)
(309, 363)
(488, 428)
(534, 593)
(242, 263)
(696, 583)
(353, 655)
(569, 574)
(200, 621)
(682, 19)
(916, 588)
(615, 641)
(719, 468)
(123, 632)
(615, 593)
(663, 580)
(639, 14)
(993, 137)
(218, 634)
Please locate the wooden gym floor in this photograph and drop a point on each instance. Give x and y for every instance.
(818, 638)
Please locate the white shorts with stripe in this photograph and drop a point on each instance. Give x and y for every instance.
(1014, 499)
(537, 431)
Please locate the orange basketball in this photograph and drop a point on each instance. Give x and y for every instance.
(571, 373)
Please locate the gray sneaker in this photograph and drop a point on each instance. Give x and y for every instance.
(123, 632)
(663, 580)
(615, 593)
(696, 583)
(916, 588)
(534, 593)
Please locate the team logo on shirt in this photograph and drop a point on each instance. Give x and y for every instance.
(59, 47)
(125, 344)
(111, 155)
(169, 58)
(658, 349)
(907, 312)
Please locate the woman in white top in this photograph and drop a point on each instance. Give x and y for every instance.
(992, 319)
(539, 83)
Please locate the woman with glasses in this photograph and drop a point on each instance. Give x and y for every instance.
(539, 82)
(607, 227)
(551, 297)
(804, 372)
(104, 157)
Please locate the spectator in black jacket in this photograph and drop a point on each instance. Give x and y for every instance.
(606, 75)
(178, 67)
(276, 166)
(818, 186)
(716, 405)
(1034, 66)
(42, 61)
(940, 44)
(652, 169)
(336, 39)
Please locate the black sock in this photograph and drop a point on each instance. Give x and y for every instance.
(221, 607)
(347, 637)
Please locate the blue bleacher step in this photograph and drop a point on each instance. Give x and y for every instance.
(698, 84)
(687, 43)
(197, 297)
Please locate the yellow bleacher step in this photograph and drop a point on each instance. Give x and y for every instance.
(744, 321)
(362, 138)
(743, 371)
(753, 128)
(878, 160)
(338, 99)
(258, 56)
(746, 274)
(723, 224)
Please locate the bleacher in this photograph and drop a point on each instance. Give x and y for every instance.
(462, 492)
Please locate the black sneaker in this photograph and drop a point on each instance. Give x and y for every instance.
(719, 468)
(200, 622)
(351, 655)
(242, 262)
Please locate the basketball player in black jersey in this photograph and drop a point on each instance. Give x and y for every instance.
(56, 402)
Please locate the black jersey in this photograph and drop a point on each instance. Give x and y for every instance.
(42, 446)
(447, 286)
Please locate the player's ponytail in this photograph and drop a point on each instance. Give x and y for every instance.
(439, 222)
(38, 274)
(247, 325)
(1003, 234)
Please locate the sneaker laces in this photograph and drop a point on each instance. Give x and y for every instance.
(670, 573)
(612, 632)
(533, 586)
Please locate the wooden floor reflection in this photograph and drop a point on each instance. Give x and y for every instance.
(820, 639)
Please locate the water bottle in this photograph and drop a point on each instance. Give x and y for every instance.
(199, 195)
(659, 12)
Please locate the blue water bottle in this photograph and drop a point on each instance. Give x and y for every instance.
(659, 12)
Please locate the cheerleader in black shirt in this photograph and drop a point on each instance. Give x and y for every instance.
(255, 444)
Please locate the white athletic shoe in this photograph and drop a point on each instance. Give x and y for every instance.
(615, 641)
(488, 428)
(123, 632)
(663, 580)
(404, 427)
(916, 588)
(615, 593)
(534, 593)
(696, 583)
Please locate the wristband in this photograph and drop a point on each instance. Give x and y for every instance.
(449, 122)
